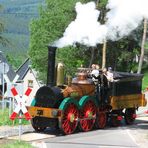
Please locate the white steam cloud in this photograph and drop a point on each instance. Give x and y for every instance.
(123, 17)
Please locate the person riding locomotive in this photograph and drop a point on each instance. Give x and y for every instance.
(101, 79)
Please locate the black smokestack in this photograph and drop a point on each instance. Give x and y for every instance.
(51, 66)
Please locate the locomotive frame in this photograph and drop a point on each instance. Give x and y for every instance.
(78, 104)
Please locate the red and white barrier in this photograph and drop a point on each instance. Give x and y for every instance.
(20, 104)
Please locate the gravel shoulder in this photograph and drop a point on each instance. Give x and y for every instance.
(7, 131)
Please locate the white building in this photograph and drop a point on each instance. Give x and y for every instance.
(27, 76)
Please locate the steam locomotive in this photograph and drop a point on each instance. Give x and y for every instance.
(80, 104)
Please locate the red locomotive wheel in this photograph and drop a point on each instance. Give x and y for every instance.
(69, 120)
(130, 115)
(88, 111)
(101, 119)
(114, 121)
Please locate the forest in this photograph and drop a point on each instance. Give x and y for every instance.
(31, 25)
(16, 16)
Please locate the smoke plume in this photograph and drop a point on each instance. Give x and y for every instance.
(123, 17)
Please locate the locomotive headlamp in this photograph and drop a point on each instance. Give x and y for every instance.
(54, 113)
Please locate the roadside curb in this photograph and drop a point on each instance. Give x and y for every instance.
(39, 144)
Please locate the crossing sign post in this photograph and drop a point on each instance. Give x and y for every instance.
(20, 107)
(20, 104)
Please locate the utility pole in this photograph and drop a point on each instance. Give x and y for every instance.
(142, 46)
(104, 54)
(102, 18)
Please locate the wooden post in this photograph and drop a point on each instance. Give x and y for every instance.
(142, 46)
(104, 55)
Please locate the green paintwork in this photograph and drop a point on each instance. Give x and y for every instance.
(74, 94)
(72, 118)
(84, 99)
(33, 102)
(90, 115)
(66, 102)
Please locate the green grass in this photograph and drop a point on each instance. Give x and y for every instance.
(5, 120)
(145, 81)
(16, 144)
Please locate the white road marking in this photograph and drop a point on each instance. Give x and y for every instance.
(130, 135)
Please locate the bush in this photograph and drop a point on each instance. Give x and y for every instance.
(145, 80)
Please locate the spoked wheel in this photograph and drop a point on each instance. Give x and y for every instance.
(130, 115)
(69, 120)
(114, 121)
(88, 115)
(34, 123)
(116, 117)
(101, 119)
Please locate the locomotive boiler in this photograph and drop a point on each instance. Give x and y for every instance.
(79, 103)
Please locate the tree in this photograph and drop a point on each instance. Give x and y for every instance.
(50, 26)
(3, 40)
(52, 22)
(142, 46)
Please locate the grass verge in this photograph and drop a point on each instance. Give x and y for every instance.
(5, 120)
(16, 144)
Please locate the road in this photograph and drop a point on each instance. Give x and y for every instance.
(134, 136)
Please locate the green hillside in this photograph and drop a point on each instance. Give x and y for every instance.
(16, 16)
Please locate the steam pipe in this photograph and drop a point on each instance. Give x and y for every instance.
(51, 66)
